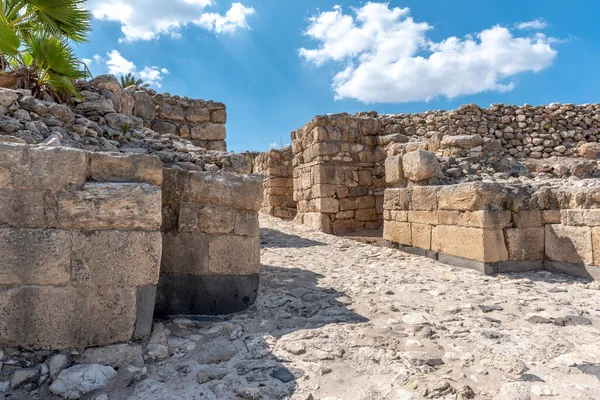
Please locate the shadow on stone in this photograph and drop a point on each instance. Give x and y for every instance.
(274, 238)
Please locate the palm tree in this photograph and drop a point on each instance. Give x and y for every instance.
(35, 45)
(130, 80)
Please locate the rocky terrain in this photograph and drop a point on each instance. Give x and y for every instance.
(341, 319)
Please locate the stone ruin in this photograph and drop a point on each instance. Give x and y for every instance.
(118, 207)
(278, 184)
(501, 189)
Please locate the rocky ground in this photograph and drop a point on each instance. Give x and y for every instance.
(341, 319)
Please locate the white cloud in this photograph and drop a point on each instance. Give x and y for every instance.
(233, 20)
(385, 56)
(536, 24)
(149, 19)
(119, 65)
(273, 145)
(87, 61)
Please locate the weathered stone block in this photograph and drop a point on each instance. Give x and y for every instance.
(66, 317)
(115, 258)
(242, 192)
(462, 141)
(446, 217)
(424, 198)
(421, 236)
(423, 217)
(366, 214)
(343, 226)
(317, 221)
(233, 255)
(527, 219)
(219, 116)
(580, 217)
(109, 167)
(569, 244)
(184, 253)
(488, 219)
(27, 208)
(550, 217)
(525, 243)
(246, 223)
(394, 174)
(397, 199)
(194, 217)
(473, 196)
(420, 165)
(35, 168)
(35, 256)
(111, 205)
(209, 131)
(356, 203)
(198, 114)
(327, 175)
(325, 205)
(485, 245)
(398, 232)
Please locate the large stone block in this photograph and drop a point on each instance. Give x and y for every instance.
(246, 223)
(27, 208)
(327, 175)
(486, 245)
(525, 243)
(398, 232)
(527, 219)
(242, 192)
(62, 317)
(116, 258)
(473, 196)
(41, 168)
(397, 199)
(394, 175)
(184, 253)
(571, 244)
(111, 205)
(487, 219)
(317, 221)
(209, 131)
(420, 165)
(356, 203)
(342, 226)
(194, 217)
(421, 236)
(462, 141)
(35, 256)
(580, 217)
(424, 198)
(423, 217)
(109, 167)
(233, 255)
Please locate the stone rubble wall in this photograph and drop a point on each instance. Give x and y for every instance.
(522, 132)
(339, 173)
(81, 246)
(211, 242)
(278, 182)
(495, 227)
(202, 122)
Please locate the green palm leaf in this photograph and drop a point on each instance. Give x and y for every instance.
(9, 41)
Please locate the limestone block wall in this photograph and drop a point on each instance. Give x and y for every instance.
(81, 246)
(278, 185)
(495, 227)
(339, 173)
(200, 121)
(211, 242)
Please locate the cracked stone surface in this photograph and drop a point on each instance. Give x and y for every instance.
(342, 319)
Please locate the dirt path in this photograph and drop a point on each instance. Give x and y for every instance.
(338, 319)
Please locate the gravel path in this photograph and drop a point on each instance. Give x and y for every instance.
(339, 319)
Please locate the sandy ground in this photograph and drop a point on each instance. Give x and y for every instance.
(339, 319)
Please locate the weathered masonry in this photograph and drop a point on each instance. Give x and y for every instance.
(81, 246)
(278, 184)
(94, 241)
(211, 242)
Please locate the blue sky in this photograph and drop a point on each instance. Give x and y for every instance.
(357, 56)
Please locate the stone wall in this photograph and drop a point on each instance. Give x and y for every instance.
(81, 246)
(211, 242)
(339, 173)
(278, 184)
(202, 122)
(497, 227)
